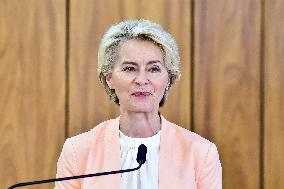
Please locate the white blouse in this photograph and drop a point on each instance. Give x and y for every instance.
(147, 176)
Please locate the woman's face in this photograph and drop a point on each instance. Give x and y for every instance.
(139, 76)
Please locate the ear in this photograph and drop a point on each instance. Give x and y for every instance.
(109, 80)
(169, 81)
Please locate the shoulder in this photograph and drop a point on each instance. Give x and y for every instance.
(199, 147)
(75, 151)
(82, 141)
(78, 147)
(203, 152)
(185, 136)
(85, 137)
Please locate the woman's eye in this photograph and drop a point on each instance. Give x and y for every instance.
(128, 69)
(155, 69)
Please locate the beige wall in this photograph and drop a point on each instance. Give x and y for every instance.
(231, 90)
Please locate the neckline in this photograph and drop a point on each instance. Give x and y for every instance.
(121, 133)
(152, 141)
(138, 138)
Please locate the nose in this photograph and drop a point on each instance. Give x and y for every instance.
(141, 78)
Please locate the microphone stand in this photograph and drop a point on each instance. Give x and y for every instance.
(73, 177)
(141, 158)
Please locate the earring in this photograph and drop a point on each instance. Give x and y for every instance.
(167, 88)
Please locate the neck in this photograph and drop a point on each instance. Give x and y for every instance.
(139, 124)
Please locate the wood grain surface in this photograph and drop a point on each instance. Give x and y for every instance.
(226, 85)
(32, 49)
(233, 51)
(89, 104)
(274, 94)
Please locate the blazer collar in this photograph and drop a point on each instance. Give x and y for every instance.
(112, 154)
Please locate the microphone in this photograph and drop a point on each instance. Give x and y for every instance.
(141, 159)
(141, 155)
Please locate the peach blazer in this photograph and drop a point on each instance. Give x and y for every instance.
(187, 161)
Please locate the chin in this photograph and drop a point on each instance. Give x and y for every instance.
(141, 107)
(134, 109)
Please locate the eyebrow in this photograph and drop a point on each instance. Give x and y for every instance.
(135, 64)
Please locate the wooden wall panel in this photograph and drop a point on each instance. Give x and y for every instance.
(177, 20)
(274, 94)
(32, 78)
(89, 104)
(227, 81)
(226, 86)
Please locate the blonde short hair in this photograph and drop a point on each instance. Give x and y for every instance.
(136, 29)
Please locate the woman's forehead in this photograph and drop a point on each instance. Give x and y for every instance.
(151, 62)
(139, 49)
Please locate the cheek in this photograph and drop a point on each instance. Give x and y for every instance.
(161, 89)
(161, 86)
(162, 81)
(120, 84)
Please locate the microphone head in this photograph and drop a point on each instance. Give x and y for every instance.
(141, 155)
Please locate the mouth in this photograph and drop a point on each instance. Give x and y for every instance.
(141, 94)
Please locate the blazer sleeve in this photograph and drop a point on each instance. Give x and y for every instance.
(67, 166)
(211, 172)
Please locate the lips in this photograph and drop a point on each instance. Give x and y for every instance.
(141, 94)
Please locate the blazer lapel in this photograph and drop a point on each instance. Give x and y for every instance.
(105, 156)
(166, 159)
(176, 161)
(112, 154)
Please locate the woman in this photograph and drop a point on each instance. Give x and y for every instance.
(138, 62)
